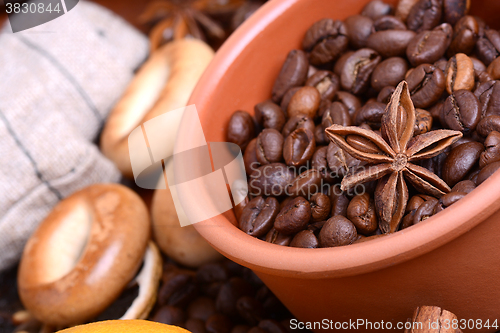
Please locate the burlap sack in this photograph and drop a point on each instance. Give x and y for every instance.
(58, 81)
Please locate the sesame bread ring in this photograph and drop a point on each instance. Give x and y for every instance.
(84, 254)
(164, 83)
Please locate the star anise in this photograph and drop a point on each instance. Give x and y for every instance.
(177, 19)
(390, 157)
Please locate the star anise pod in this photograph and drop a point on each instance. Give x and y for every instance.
(177, 19)
(391, 160)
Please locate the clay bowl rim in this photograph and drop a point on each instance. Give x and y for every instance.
(329, 262)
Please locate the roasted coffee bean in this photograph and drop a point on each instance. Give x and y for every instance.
(459, 73)
(229, 294)
(270, 115)
(306, 184)
(388, 22)
(429, 45)
(359, 28)
(299, 147)
(340, 63)
(493, 69)
(250, 310)
(371, 113)
(384, 96)
(326, 82)
(170, 315)
(462, 140)
(293, 217)
(287, 97)
(426, 84)
(423, 122)
(425, 15)
(326, 40)
(414, 202)
(461, 161)
(441, 64)
(461, 111)
(272, 326)
(211, 272)
(218, 323)
(466, 186)
(340, 161)
(320, 207)
(437, 113)
(435, 164)
(453, 10)
(488, 46)
(305, 239)
(320, 163)
(486, 172)
(242, 329)
(238, 209)
(293, 74)
(178, 289)
(278, 238)
(357, 70)
(376, 8)
(389, 73)
(492, 149)
(305, 102)
(241, 129)
(465, 35)
(316, 226)
(201, 308)
(425, 210)
(270, 180)
(319, 136)
(447, 200)
(350, 101)
(488, 125)
(479, 67)
(488, 94)
(361, 212)
(259, 215)
(390, 43)
(337, 231)
(338, 114)
(407, 220)
(339, 202)
(297, 122)
(250, 157)
(404, 7)
(269, 146)
(195, 325)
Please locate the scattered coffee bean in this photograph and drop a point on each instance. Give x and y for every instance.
(350, 101)
(306, 184)
(326, 82)
(447, 200)
(465, 36)
(423, 123)
(466, 186)
(337, 113)
(426, 84)
(287, 97)
(425, 15)
(488, 46)
(388, 22)
(492, 149)
(488, 124)
(404, 7)
(486, 172)
(371, 113)
(357, 70)
(389, 73)
(250, 157)
(453, 10)
(320, 207)
(297, 122)
(359, 28)
(270, 180)
(390, 43)
(425, 210)
(376, 8)
(278, 238)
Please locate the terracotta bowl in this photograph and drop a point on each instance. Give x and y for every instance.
(450, 260)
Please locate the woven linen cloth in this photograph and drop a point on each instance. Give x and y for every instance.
(58, 82)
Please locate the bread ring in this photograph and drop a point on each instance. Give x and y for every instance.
(183, 244)
(164, 83)
(83, 254)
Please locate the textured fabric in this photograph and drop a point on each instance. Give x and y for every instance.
(58, 81)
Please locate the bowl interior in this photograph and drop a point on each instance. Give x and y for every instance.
(241, 75)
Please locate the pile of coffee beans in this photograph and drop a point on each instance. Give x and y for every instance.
(221, 297)
(345, 74)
